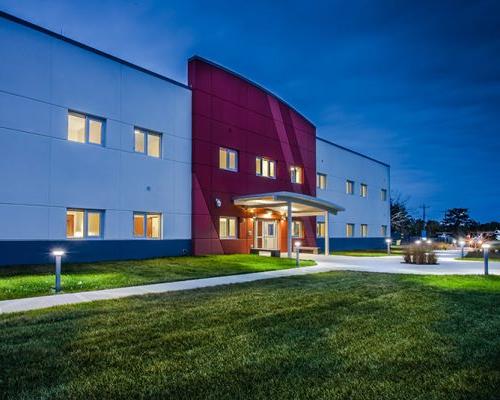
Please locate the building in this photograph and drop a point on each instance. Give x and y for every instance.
(111, 161)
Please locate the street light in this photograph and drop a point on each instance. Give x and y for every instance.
(388, 241)
(462, 244)
(58, 255)
(486, 252)
(297, 248)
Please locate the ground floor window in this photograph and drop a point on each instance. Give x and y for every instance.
(227, 227)
(364, 230)
(349, 230)
(383, 230)
(320, 229)
(297, 229)
(83, 224)
(147, 225)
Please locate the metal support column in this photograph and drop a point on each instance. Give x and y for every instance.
(289, 228)
(327, 236)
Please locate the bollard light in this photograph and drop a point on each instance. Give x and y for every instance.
(417, 242)
(297, 250)
(462, 245)
(486, 252)
(388, 241)
(429, 241)
(58, 255)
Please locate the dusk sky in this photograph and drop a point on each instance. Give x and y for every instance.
(414, 85)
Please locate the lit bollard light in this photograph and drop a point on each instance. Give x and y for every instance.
(418, 242)
(486, 253)
(58, 255)
(462, 245)
(297, 248)
(388, 241)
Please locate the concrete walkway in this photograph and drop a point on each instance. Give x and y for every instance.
(390, 264)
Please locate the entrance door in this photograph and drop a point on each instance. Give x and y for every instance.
(266, 234)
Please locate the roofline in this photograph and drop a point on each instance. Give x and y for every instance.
(66, 39)
(238, 75)
(352, 151)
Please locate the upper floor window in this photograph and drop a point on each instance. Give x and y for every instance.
(349, 187)
(227, 228)
(147, 225)
(83, 224)
(297, 229)
(349, 230)
(363, 190)
(228, 159)
(265, 167)
(320, 229)
(364, 230)
(321, 181)
(383, 194)
(383, 230)
(85, 129)
(147, 142)
(296, 174)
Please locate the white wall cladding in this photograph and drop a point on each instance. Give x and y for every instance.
(42, 173)
(341, 165)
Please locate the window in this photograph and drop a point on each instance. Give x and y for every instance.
(296, 174)
(83, 224)
(147, 142)
(364, 230)
(320, 229)
(349, 187)
(349, 230)
(85, 129)
(363, 190)
(297, 229)
(147, 225)
(265, 167)
(383, 194)
(227, 227)
(228, 159)
(321, 181)
(383, 230)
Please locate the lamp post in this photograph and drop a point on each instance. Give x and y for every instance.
(462, 245)
(58, 255)
(486, 252)
(297, 248)
(388, 241)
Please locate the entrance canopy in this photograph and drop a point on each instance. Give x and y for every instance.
(302, 205)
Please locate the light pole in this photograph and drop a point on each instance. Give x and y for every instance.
(388, 241)
(486, 252)
(297, 248)
(462, 244)
(58, 255)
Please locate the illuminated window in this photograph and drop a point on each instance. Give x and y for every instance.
(147, 142)
(364, 230)
(321, 181)
(383, 194)
(383, 230)
(349, 187)
(228, 159)
(363, 190)
(83, 224)
(227, 227)
(349, 230)
(296, 174)
(265, 167)
(85, 129)
(320, 229)
(147, 225)
(297, 229)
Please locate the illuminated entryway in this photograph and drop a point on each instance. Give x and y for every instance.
(266, 234)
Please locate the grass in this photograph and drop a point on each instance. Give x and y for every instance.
(29, 281)
(477, 255)
(365, 253)
(340, 335)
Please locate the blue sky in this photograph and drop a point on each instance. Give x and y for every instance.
(414, 85)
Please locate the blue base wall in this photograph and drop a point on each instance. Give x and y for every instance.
(353, 243)
(14, 252)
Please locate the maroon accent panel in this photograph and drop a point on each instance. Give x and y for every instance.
(231, 112)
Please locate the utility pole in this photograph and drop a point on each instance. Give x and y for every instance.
(424, 207)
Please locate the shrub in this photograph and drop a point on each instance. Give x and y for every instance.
(419, 254)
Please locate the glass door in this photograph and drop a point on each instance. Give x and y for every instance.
(266, 234)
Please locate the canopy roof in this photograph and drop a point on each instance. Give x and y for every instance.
(302, 204)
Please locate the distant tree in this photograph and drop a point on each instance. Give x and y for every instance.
(457, 221)
(417, 227)
(432, 227)
(401, 220)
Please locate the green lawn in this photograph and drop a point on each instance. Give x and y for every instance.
(478, 256)
(341, 335)
(28, 281)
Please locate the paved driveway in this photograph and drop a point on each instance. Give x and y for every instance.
(447, 264)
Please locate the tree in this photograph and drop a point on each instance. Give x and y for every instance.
(401, 220)
(432, 227)
(457, 221)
